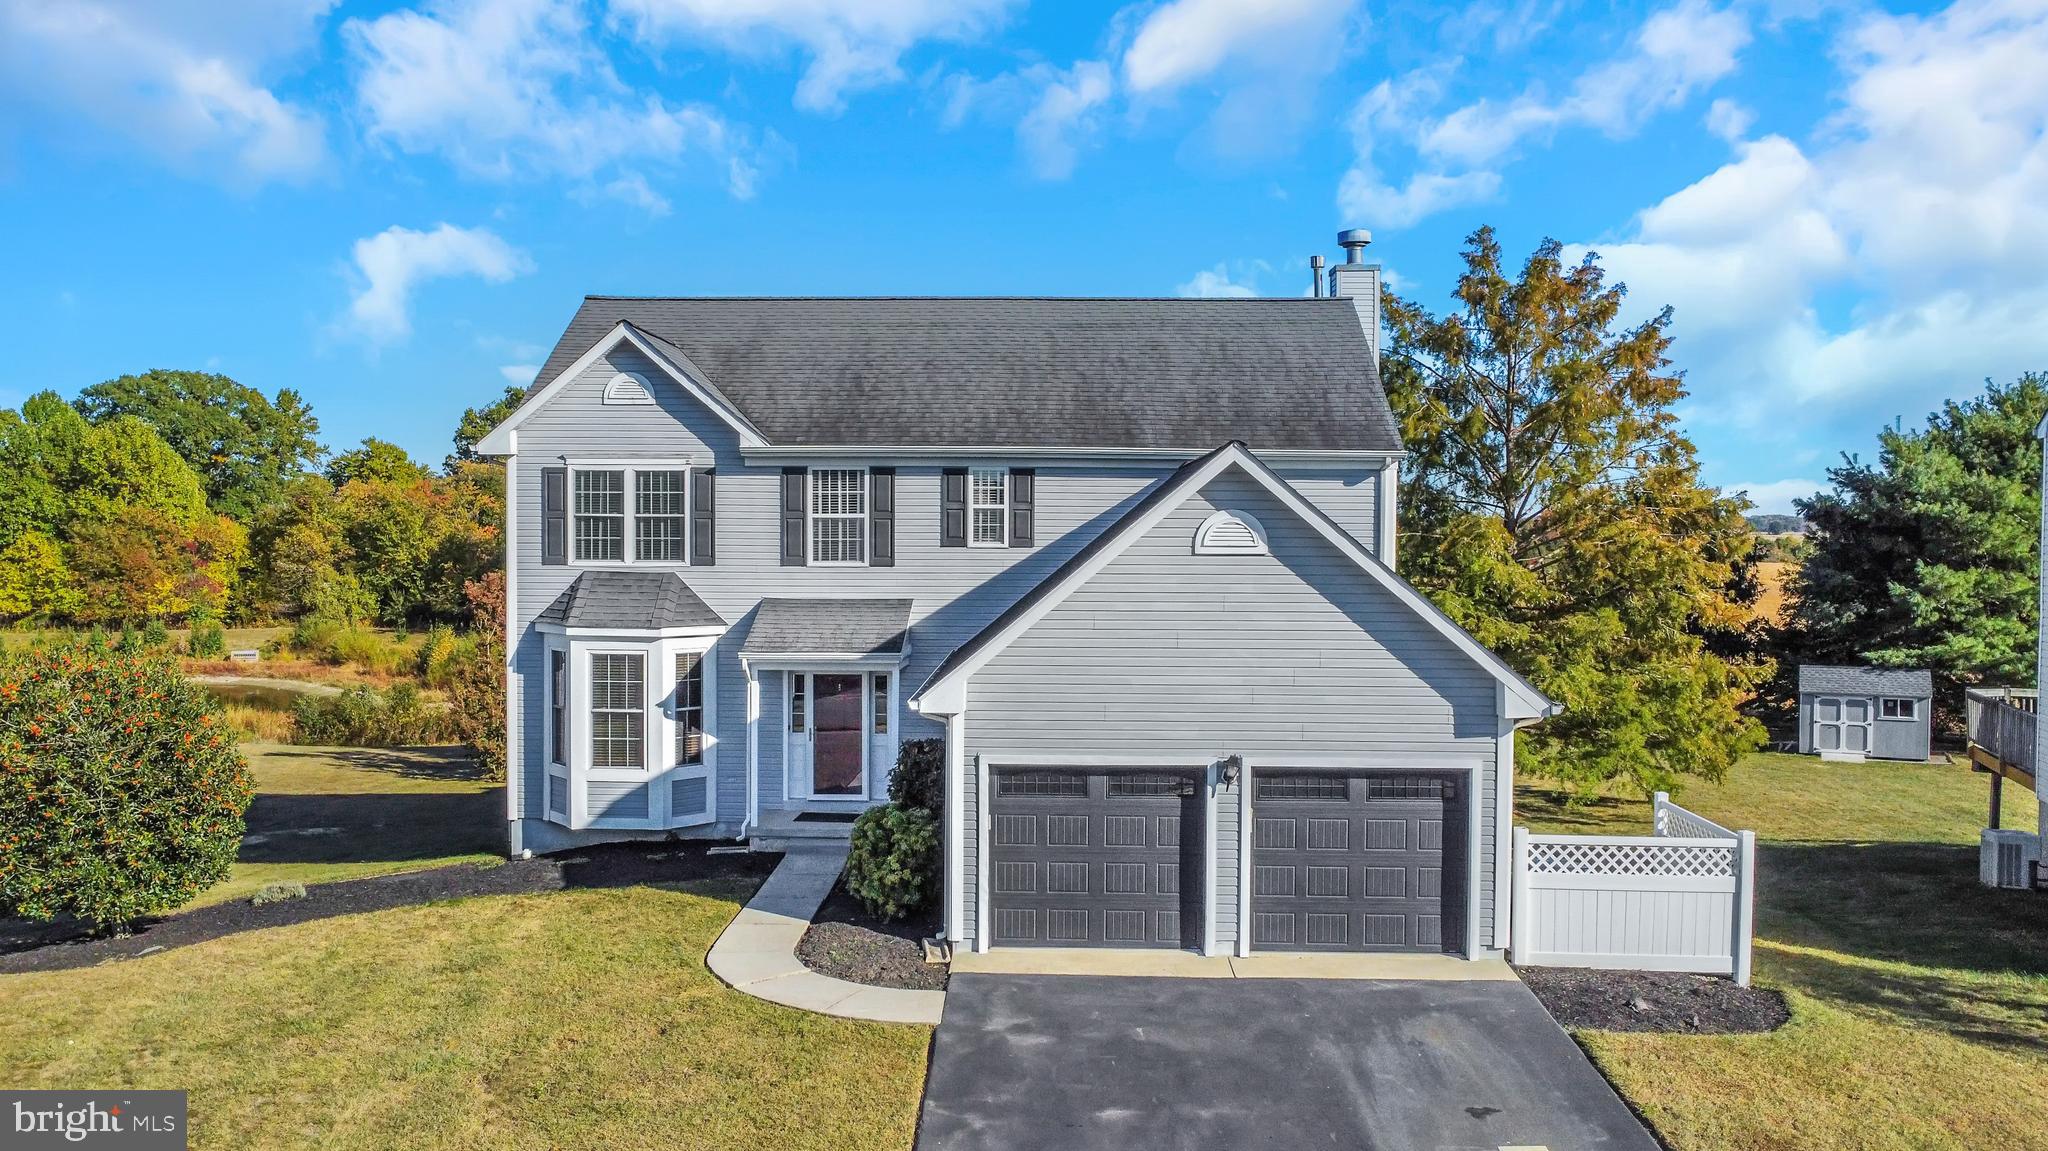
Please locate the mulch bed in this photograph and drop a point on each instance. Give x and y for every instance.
(845, 942)
(1666, 1001)
(61, 945)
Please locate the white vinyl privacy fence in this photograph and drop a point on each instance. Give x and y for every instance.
(1680, 899)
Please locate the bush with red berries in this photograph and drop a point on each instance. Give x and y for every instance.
(122, 792)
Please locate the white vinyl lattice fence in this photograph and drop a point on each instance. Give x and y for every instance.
(1677, 900)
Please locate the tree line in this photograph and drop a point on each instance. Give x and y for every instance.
(182, 496)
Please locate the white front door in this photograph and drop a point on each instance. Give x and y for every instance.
(827, 734)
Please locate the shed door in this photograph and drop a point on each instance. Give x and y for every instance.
(1841, 723)
(1358, 862)
(1095, 859)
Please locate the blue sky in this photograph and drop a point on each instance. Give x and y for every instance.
(395, 209)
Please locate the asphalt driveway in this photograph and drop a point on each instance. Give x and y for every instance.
(1064, 1063)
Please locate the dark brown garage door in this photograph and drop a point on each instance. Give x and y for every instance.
(1357, 862)
(1095, 859)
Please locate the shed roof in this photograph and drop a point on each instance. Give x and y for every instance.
(847, 627)
(630, 601)
(1820, 679)
(1020, 371)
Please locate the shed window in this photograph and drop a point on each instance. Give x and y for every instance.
(1899, 708)
(988, 503)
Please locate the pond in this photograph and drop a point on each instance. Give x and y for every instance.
(262, 697)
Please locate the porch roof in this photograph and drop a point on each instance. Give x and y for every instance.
(836, 627)
(630, 601)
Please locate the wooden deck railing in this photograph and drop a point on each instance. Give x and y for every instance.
(2001, 723)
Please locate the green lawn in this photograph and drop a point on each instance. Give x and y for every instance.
(328, 813)
(1919, 999)
(577, 1019)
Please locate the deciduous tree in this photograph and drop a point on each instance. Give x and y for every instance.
(245, 445)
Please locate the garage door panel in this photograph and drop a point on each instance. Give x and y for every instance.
(1107, 848)
(1351, 862)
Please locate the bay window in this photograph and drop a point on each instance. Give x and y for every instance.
(690, 708)
(618, 710)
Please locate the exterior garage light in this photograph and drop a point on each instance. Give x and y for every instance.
(1233, 766)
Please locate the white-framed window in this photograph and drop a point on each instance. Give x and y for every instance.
(689, 708)
(797, 703)
(600, 514)
(988, 507)
(626, 513)
(881, 703)
(558, 707)
(839, 515)
(1899, 708)
(618, 710)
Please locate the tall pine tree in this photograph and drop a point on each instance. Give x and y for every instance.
(1551, 506)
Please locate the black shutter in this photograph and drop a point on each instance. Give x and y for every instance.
(1022, 483)
(704, 518)
(953, 508)
(554, 516)
(882, 517)
(793, 508)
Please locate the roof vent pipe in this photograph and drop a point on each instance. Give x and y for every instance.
(1315, 276)
(1354, 241)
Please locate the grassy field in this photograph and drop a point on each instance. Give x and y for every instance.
(577, 1019)
(1919, 999)
(328, 813)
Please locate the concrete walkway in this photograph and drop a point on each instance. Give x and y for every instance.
(757, 952)
(1164, 964)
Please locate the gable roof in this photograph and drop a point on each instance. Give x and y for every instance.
(1828, 680)
(943, 686)
(972, 372)
(629, 601)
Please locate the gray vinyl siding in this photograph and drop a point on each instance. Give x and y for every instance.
(955, 591)
(1349, 497)
(1165, 654)
(1908, 739)
(1224, 899)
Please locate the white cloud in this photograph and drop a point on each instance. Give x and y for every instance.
(1188, 40)
(1920, 200)
(509, 88)
(1675, 53)
(183, 79)
(632, 188)
(853, 45)
(1729, 120)
(519, 374)
(1774, 497)
(390, 264)
(1064, 115)
(1214, 283)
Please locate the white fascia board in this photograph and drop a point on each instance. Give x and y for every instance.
(502, 440)
(949, 695)
(635, 635)
(824, 661)
(1136, 457)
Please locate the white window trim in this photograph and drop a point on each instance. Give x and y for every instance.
(1909, 701)
(632, 470)
(867, 512)
(1003, 476)
(660, 769)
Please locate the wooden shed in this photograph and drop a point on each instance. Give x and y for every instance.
(1865, 712)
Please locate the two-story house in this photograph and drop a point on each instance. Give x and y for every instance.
(1132, 559)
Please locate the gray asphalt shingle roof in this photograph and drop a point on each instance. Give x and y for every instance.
(1824, 680)
(1028, 372)
(834, 626)
(630, 601)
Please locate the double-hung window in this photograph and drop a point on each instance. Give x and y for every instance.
(618, 710)
(628, 513)
(660, 515)
(689, 708)
(558, 707)
(839, 515)
(988, 507)
(600, 514)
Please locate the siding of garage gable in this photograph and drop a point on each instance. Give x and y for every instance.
(1166, 654)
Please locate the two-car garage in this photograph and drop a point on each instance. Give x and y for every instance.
(1124, 857)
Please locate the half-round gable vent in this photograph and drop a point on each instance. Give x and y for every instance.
(1230, 534)
(628, 388)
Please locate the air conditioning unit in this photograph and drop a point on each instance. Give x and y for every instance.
(2007, 858)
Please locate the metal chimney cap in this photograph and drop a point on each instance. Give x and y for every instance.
(1354, 241)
